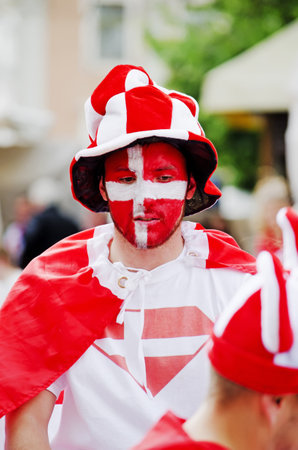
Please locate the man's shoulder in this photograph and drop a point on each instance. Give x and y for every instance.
(219, 249)
(196, 227)
(68, 257)
(76, 243)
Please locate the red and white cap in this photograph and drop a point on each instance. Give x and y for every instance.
(127, 108)
(255, 340)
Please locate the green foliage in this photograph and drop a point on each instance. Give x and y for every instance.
(214, 33)
(237, 151)
(242, 160)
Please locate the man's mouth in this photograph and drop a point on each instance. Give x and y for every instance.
(146, 219)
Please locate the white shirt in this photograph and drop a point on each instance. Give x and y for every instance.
(154, 359)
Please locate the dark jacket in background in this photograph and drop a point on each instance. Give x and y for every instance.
(45, 229)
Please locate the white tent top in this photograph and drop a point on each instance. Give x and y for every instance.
(257, 80)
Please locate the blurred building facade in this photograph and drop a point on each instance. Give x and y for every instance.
(52, 55)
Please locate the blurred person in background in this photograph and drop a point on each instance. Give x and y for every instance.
(271, 193)
(253, 396)
(117, 316)
(13, 236)
(48, 223)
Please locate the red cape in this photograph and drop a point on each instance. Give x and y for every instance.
(56, 309)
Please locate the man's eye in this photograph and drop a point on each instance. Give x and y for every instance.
(127, 180)
(164, 178)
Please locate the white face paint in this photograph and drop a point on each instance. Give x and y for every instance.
(146, 187)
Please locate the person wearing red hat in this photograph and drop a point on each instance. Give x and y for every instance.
(117, 316)
(253, 397)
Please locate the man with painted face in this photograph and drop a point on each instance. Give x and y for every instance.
(117, 317)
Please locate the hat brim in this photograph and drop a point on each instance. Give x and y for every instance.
(88, 167)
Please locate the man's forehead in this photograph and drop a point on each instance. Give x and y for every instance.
(157, 153)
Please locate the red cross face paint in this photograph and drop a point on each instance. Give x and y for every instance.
(146, 188)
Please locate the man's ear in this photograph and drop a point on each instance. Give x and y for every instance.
(102, 190)
(191, 187)
(270, 407)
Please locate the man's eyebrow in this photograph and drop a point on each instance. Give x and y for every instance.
(123, 169)
(169, 167)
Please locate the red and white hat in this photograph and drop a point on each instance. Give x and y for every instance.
(127, 108)
(255, 340)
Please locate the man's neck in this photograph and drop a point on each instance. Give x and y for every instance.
(148, 258)
(235, 426)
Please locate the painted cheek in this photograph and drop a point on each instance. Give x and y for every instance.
(169, 213)
(121, 212)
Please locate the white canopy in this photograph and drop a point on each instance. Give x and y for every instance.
(257, 80)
